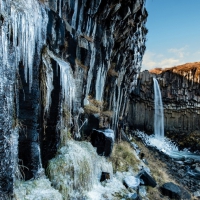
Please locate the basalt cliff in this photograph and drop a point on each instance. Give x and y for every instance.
(181, 100)
(66, 67)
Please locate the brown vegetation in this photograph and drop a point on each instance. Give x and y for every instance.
(111, 71)
(123, 158)
(78, 62)
(91, 109)
(195, 66)
(89, 39)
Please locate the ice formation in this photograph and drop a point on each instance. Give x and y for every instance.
(67, 83)
(108, 133)
(27, 23)
(48, 81)
(76, 168)
(90, 73)
(36, 189)
(132, 181)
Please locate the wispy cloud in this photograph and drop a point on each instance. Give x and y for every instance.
(181, 52)
(152, 60)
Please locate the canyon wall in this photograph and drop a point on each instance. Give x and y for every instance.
(60, 63)
(181, 100)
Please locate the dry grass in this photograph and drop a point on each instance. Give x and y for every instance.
(89, 39)
(91, 109)
(123, 158)
(180, 69)
(112, 72)
(95, 102)
(156, 71)
(78, 62)
(158, 172)
(154, 194)
(157, 167)
(107, 113)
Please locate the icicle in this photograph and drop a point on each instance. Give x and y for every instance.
(101, 75)
(27, 24)
(60, 14)
(66, 80)
(49, 82)
(90, 72)
(75, 14)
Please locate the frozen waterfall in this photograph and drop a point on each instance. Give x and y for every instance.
(158, 114)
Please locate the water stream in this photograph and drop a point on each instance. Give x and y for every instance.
(158, 114)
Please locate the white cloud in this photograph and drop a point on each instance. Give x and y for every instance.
(152, 60)
(181, 52)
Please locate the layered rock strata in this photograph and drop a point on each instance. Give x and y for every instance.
(60, 59)
(181, 100)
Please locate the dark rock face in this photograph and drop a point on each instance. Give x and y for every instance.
(179, 90)
(174, 191)
(69, 51)
(103, 139)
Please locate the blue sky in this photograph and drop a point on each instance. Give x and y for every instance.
(174, 33)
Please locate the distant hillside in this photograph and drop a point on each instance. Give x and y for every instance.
(180, 69)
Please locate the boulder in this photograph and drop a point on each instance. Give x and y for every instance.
(142, 191)
(197, 194)
(174, 191)
(103, 140)
(135, 196)
(131, 182)
(147, 178)
(104, 176)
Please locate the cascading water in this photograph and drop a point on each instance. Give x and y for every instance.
(158, 115)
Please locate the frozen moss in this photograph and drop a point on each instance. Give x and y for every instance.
(76, 168)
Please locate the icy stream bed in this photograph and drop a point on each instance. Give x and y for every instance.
(166, 146)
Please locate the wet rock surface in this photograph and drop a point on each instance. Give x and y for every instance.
(174, 191)
(147, 179)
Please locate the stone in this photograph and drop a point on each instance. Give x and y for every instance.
(134, 196)
(104, 176)
(131, 182)
(142, 191)
(147, 178)
(174, 191)
(197, 193)
(103, 140)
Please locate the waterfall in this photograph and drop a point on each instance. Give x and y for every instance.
(158, 115)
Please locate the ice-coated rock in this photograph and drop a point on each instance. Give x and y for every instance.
(131, 182)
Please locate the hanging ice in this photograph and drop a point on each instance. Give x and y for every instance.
(66, 79)
(100, 81)
(67, 83)
(90, 72)
(28, 20)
